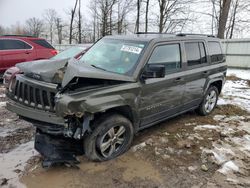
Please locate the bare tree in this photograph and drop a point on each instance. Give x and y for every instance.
(123, 9)
(34, 26)
(104, 12)
(50, 16)
(137, 24)
(79, 23)
(172, 14)
(95, 21)
(237, 19)
(224, 10)
(146, 16)
(72, 16)
(59, 28)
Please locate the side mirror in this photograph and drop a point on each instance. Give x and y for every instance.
(153, 71)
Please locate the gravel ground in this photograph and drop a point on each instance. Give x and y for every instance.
(187, 151)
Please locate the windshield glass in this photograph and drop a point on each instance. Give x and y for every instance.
(118, 56)
(69, 53)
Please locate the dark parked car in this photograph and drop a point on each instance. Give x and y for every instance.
(73, 52)
(121, 85)
(15, 49)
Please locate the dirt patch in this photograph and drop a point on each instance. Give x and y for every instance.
(235, 78)
(16, 138)
(230, 110)
(167, 155)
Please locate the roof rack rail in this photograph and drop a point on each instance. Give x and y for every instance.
(17, 36)
(139, 33)
(185, 34)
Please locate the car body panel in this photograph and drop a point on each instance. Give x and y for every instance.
(10, 57)
(149, 100)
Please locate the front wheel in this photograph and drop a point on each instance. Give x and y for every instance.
(209, 101)
(112, 136)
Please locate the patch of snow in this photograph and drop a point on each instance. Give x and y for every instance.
(228, 166)
(2, 95)
(204, 127)
(245, 126)
(237, 93)
(2, 104)
(16, 160)
(219, 117)
(240, 73)
(139, 146)
(222, 101)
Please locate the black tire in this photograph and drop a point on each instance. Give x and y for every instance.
(102, 127)
(202, 109)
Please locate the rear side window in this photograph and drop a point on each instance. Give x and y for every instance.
(43, 43)
(9, 44)
(215, 52)
(168, 55)
(195, 52)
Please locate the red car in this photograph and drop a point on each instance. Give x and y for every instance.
(15, 49)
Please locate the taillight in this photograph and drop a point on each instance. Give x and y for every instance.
(53, 52)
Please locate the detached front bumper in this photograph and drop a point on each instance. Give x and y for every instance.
(34, 114)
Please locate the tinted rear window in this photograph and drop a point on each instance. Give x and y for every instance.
(9, 44)
(215, 51)
(196, 53)
(43, 43)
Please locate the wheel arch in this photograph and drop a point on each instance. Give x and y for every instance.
(124, 110)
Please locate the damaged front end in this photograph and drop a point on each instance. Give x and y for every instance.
(56, 104)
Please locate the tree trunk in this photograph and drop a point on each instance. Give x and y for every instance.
(234, 17)
(71, 22)
(223, 18)
(146, 16)
(137, 25)
(161, 6)
(79, 24)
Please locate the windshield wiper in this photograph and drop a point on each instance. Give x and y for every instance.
(98, 68)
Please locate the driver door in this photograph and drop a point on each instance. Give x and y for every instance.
(162, 97)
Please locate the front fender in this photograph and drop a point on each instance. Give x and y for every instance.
(70, 106)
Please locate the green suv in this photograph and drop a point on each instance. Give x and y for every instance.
(95, 105)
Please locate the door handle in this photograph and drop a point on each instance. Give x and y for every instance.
(27, 52)
(205, 72)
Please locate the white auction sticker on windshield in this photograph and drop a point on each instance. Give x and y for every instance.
(131, 49)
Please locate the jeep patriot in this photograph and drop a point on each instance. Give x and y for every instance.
(95, 105)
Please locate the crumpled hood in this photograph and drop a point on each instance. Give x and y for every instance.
(42, 69)
(46, 70)
(77, 68)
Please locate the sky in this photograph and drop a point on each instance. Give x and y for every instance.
(17, 11)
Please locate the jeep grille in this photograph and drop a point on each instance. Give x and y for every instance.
(33, 93)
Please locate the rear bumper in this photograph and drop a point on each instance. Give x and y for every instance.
(34, 114)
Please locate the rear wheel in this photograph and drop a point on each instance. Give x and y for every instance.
(112, 136)
(209, 101)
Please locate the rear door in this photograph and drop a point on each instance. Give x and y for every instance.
(15, 51)
(161, 97)
(196, 72)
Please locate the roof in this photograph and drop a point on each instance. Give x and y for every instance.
(19, 37)
(159, 36)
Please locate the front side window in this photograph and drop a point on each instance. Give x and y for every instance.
(168, 55)
(114, 55)
(215, 51)
(8, 44)
(195, 52)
